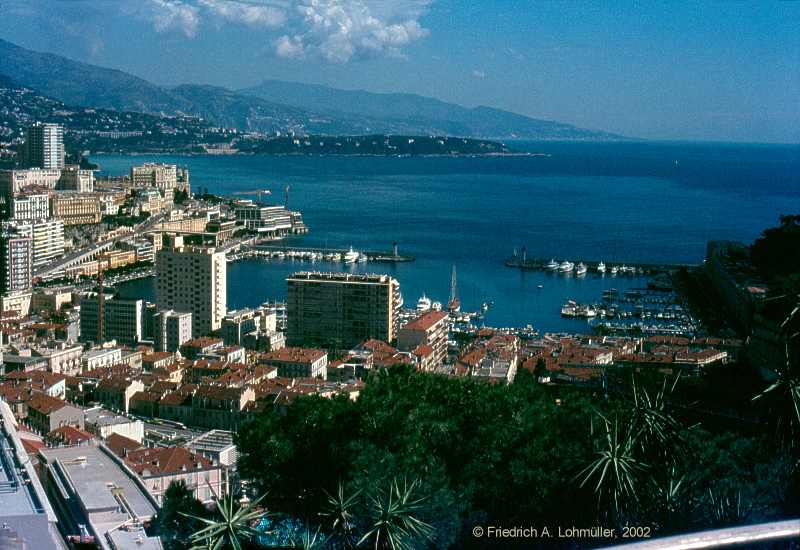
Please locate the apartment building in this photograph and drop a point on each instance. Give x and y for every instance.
(340, 310)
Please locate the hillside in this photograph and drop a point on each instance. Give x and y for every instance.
(273, 105)
(423, 115)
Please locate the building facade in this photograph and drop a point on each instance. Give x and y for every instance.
(172, 329)
(16, 261)
(44, 146)
(193, 279)
(340, 310)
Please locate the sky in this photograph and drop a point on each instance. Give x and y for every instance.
(722, 71)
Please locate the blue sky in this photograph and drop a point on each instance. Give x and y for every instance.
(660, 70)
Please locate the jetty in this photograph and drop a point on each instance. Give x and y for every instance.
(625, 268)
(315, 253)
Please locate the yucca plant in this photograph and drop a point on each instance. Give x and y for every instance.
(785, 391)
(615, 471)
(341, 517)
(232, 526)
(394, 518)
(726, 508)
(309, 540)
(655, 430)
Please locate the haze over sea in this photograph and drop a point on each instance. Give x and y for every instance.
(617, 202)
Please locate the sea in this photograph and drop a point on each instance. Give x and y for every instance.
(654, 202)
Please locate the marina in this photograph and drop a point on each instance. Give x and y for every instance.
(583, 267)
(313, 254)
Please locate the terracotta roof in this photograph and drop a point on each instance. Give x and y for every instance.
(45, 404)
(374, 345)
(294, 355)
(165, 460)
(70, 435)
(426, 321)
(120, 445)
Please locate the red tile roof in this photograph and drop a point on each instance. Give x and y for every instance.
(426, 321)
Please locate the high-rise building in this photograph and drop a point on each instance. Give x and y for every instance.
(44, 146)
(193, 279)
(172, 329)
(123, 319)
(16, 257)
(339, 310)
(48, 239)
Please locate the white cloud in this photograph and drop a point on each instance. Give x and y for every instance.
(168, 15)
(334, 30)
(478, 73)
(253, 14)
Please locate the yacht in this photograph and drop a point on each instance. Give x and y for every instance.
(566, 266)
(570, 309)
(614, 270)
(423, 304)
(552, 264)
(581, 269)
(362, 258)
(436, 306)
(601, 267)
(351, 256)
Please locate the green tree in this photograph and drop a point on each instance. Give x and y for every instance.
(171, 523)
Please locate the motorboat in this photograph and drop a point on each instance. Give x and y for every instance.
(552, 265)
(351, 256)
(566, 266)
(581, 269)
(601, 267)
(424, 304)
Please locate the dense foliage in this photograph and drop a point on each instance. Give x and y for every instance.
(485, 454)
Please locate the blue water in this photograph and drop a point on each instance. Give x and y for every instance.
(654, 202)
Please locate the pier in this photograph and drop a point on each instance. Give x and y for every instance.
(632, 268)
(315, 253)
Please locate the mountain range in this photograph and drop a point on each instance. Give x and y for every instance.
(273, 105)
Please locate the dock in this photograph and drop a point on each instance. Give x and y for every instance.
(315, 253)
(641, 268)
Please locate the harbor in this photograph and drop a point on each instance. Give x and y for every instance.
(313, 254)
(584, 267)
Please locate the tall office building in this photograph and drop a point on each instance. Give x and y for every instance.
(193, 279)
(340, 310)
(16, 261)
(172, 329)
(44, 146)
(74, 178)
(123, 319)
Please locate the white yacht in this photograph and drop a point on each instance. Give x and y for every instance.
(581, 269)
(601, 267)
(614, 270)
(552, 264)
(436, 306)
(566, 266)
(351, 256)
(423, 304)
(362, 258)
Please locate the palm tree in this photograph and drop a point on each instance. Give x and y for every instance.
(394, 518)
(616, 470)
(340, 512)
(232, 526)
